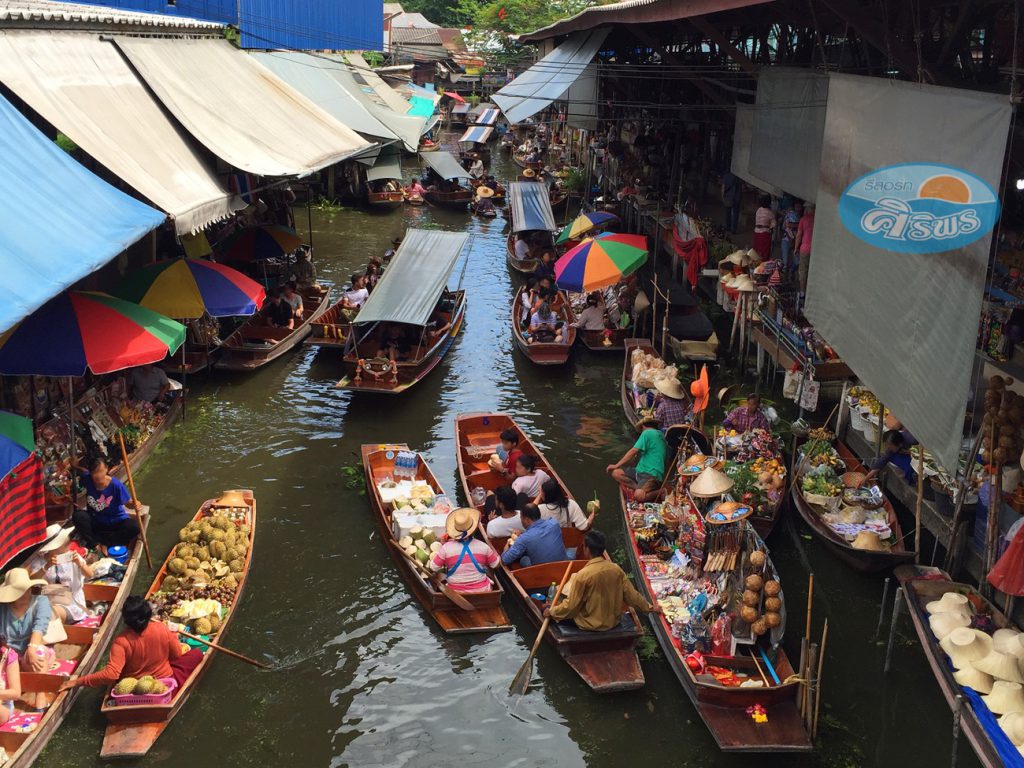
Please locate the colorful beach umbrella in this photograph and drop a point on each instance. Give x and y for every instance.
(79, 330)
(186, 288)
(263, 242)
(584, 223)
(16, 441)
(600, 261)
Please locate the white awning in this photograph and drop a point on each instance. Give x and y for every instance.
(478, 133)
(238, 109)
(549, 79)
(388, 166)
(388, 94)
(445, 165)
(83, 87)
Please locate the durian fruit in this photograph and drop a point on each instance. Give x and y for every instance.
(203, 554)
(236, 565)
(230, 581)
(144, 686)
(214, 620)
(158, 688)
(221, 522)
(202, 627)
(176, 565)
(184, 550)
(216, 535)
(170, 584)
(193, 537)
(218, 550)
(183, 534)
(192, 562)
(189, 575)
(125, 686)
(244, 530)
(206, 532)
(230, 537)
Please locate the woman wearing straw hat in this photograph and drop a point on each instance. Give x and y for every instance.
(747, 417)
(464, 559)
(24, 618)
(484, 206)
(650, 452)
(671, 406)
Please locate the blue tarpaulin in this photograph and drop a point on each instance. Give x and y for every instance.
(60, 221)
(421, 107)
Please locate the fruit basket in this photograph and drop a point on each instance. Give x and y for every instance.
(131, 699)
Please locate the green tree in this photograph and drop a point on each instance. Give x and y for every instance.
(445, 13)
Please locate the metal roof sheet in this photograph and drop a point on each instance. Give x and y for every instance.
(51, 14)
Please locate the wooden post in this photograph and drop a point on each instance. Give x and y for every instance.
(817, 694)
(805, 672)
(881, 611)
(957, 705)
(961, 492)
(919, 504)
(897, 603)
(811, 686)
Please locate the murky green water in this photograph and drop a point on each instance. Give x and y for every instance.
(362, 677)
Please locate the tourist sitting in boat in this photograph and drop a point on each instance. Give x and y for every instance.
(529, 480)
(599, 591)
(505, 519)
(465, 560)
(396, 345)
(277, 312)
(545, 327)
(24, 619)
(671, 406)
(145, 648)
(525, 299)
(389, 254)
(540, 541)
(591, 318)
(650, 452)
(291, 297)
(545, 266)
(149, 383)
(897, 453)
(476, 168)
(105, 521)
(304, 271)
(522, 247)
(65, 572)
(416, 189)
(354, 297)
(747, 417)
(438, 325)
(510, 447)
(10, 680)
(554, 504)
(372, 275)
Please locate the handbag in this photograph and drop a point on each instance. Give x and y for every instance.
(809, 397)
(791, 385)
(55, 632)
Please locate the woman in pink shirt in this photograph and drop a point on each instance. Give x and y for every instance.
(466, 561)
(802, 246)
(764, 224)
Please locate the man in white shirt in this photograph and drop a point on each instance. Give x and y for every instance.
(354, 297)
(522, 248)
(506, 520)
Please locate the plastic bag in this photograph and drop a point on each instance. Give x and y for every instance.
(721, 636)
(791, 385)
(809, 396)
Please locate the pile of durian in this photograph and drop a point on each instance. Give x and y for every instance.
(210, 551)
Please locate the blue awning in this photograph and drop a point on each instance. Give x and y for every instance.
(60, 221)
(530, 206)
(486, 117)
(481, 134)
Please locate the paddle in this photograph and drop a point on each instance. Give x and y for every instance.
(135, 500)
(222, 649)
(521, 682)
(435, 579)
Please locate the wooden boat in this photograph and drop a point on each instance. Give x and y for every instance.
(458, 200)
(723, 709)
(520, 160)
(196, 361)
(547, 353)
(559, 200)
(865, 561)
(412, 199)
(499, 192)
(254, 344)
(330, 329)
(488, 616)
(490, 213)
(85, 647)
(921, 586)
(594, 340)
(133, 729)
(142, 452)
(388, 200)
(428, 146)
(522, 266)
(606, 661)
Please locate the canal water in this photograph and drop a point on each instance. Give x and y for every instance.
(361, 676)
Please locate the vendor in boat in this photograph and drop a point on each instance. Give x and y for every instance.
(545, 266)
(522, 247)
(540, 542)
(529, 480)
(304, 271)
(896, 451)
(650, 452)
(466, 560)
(277, 312)
(439, 324)
(145, 648)
(484, 205)
(372, 275)
(553, 503)
(476, 168)
(671, 406)
(354, 297)
(545, 325)
(747, 417)
(416, 189)
(24, 619)
(505, 519)
(591, 318)
(105, 521)
(64, 570)
(149, 383)
(396, 345)
(599, 591)
(491, 183)
(291, 297)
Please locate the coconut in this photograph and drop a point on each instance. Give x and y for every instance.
(416, 533)
(429, 537)
(405, 542)
(422, 555)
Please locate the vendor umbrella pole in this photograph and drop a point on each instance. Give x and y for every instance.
(920, 502)
(897, 603)
(71, 432)
(135, 499)
(992, 530)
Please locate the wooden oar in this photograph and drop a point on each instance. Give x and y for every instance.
(521, 682)
(435, 579)
(135, 500)
(222, 649)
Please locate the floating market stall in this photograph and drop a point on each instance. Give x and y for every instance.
(754, 463)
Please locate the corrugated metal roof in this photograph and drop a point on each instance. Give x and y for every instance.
(412, 36)
(413, 20)
(51, 14)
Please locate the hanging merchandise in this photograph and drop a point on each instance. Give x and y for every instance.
(791, 384)
(809, 395)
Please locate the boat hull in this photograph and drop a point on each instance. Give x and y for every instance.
(252, 345)
(546, 353)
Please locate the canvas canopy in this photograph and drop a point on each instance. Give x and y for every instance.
(238, 109)
(549, 79)
(444, 164)
(478, 133)
(486, 117)
(388, 95)
(45, 248)
(387, 166)
(415, 278)
(530, 206)
(82, 86)
(461, 109)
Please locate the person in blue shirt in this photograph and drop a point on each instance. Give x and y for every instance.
(105, 521)
(896, 453)
(541, 542)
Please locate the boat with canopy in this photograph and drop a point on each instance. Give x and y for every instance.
(530, 214)
(383, 182)
(449, 193)
(474, 142)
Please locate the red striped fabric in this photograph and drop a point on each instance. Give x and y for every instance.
(22, 509)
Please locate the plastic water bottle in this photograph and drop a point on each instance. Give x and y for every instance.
(552, 590)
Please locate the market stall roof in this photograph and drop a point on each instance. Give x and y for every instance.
(486, 117)
(548, 79)
(387, 94)
(478, 133)
(415, 278)
(530, 206)
(45, 248)
(444, 164)
(238, 109)
(82, 86)
(460, 109)
(33, 13)
(388, 166)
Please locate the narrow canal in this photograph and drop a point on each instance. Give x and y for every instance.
(361, 677)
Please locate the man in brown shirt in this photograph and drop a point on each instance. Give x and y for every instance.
(599, 591)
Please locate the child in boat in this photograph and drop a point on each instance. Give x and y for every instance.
(66, 571)
(10, 680)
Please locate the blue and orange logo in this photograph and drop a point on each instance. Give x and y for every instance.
(919, 208)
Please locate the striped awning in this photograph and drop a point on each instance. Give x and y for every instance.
(478, 133)
(486, 117)
(530, 206)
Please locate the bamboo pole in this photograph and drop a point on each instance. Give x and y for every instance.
(919, 504)
(135, 500)
(811, 686)
(805, 649)
(817, 694)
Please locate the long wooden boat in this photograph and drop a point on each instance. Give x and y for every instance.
(559, 200)
(133, 729)
(254, 344)
(84, 648)
(547, 353)
(330, 329)
(499, 192)
(488, 615)
(388, 200)
(141, 454)
(488, 214)
(520, 160)
(458, 200)
(522, 266)
(606, 661)
(626, 387)
(863, 560)
(367, 371)
(724, 709)
(919, 590)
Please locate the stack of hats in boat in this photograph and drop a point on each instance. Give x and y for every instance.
(734, 276)
(992, 665)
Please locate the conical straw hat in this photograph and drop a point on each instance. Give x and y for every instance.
(1012, 724)
(1002, 666)
(1005, 698)
(950, 601)
(727, 280)
(710, 483)
(1008, 640)
(969, 677)
(868, 540)
(744, 283)
(964, 645)
(944, 623)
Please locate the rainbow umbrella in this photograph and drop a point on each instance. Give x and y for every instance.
(186, 288)
(16, 441)
(79, 330)
(584, 223)
(600, 261)
(256, 243)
